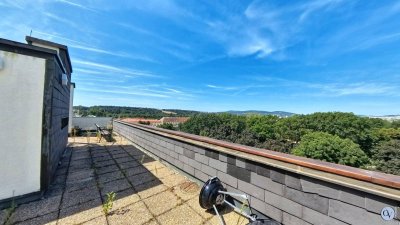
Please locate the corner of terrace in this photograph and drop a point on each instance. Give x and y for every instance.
(146, 191)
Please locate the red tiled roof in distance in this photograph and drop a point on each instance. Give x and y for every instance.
(137, 120)
(174, 119)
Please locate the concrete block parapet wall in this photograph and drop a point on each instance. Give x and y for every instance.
(56, 108)
(283, 195)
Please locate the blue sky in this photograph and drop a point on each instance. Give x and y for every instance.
(296, 56)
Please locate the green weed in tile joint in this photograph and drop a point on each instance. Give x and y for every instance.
(10, 210)
(245, 206)
(108, 204)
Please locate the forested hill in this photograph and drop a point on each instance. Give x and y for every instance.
(336, 137)
(124, 111)
(257, 112)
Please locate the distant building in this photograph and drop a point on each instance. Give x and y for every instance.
(88, 123)
(174, 120)
(388, 118)
(154, 122)
(35, 94)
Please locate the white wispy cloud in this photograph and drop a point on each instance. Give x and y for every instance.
(60, 19)
(117, 54)
(13, 4)
(265, 30)
(174, 90)
(142, 89)
(155, 35)
(375, 41)
(333, 89)
(227, 88)
(309, 8)
(108, 69)
(177, 49)
(375, 89)
(375, 26)
(77, 5)
(86, 71)
(119, 92)
(248, 89)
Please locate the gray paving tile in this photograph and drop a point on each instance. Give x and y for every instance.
(134, 171)
(36, 208)
(141, 178)
(114, 186)
(48, 219)
(130, 164)
(112, 176)
(3, 216)
(79, 185)
(81, 213)
(133, 214)
(107, 169)
(79, 197)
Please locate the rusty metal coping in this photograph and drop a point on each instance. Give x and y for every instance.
(382, 179)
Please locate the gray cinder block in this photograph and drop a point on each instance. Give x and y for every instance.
(277, 175)
(221, 166)
(289, 219)
(293, 181)
(313, 201)
(228, 179)
(239, 173)
(201, 158)
(251, 189)
(209, 170)
(241, 162)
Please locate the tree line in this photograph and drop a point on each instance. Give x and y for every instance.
(127, 112)
(342, 138)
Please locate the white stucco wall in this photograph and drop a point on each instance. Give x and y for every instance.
(21, 105)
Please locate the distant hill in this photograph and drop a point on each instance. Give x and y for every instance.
(248, 112)
(387, 117)
(124, 112)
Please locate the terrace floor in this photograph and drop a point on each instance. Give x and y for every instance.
(147, 192)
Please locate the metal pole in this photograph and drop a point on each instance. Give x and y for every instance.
(221, 220)
(240, 211)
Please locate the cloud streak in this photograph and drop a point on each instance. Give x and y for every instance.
(95, 67)
(117, 54)
(74, 4)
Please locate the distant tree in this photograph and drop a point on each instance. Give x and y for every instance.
(263, 126)
(386, 156)
(345, 125)
(144, 122)
(284, 146)
(292, 128)
(386, 134)
(168, 126)
(122, 112)
(331, 148)
(221, 126)
(248, 138)
(395, 124)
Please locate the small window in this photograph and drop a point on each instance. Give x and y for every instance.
(64, 122)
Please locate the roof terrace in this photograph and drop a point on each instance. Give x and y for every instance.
(147, 192)
(156, 173)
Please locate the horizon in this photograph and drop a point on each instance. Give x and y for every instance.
(235, 110)
(299, 57)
